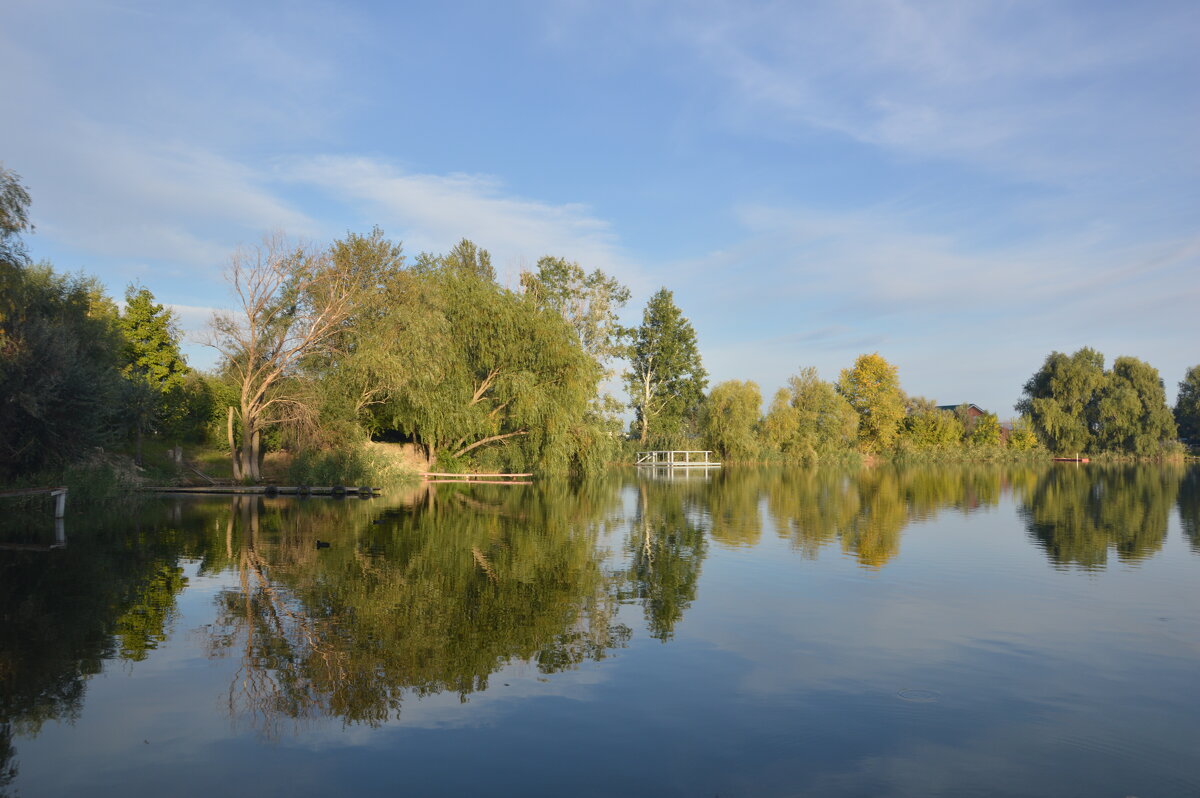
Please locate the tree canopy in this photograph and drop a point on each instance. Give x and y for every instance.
(1075, 406)
(809, 419)
(1187, 406)
(872, 387)
(729, 421)
(666, 379)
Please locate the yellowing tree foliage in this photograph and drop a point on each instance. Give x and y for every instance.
(872, 388)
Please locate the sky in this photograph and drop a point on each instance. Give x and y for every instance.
(962, 187)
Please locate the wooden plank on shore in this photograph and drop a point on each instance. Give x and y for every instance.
(59, 494)
(474, 476)
(477, 482)
(31, 491)
(260, 490)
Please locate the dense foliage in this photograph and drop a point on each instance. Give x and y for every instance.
(666, 379)
(1187, 406)
(1076, 406)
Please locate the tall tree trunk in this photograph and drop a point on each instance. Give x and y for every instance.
(256, 454)
(138, 454)
(645, 407)
(233, 452)
(248, 465)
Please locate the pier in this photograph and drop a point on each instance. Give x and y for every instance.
(58, 494)
(676, 459)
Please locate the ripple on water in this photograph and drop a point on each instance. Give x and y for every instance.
(919, 696)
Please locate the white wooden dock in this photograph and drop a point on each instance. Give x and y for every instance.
(676, 459)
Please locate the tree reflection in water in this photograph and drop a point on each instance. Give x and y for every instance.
(426, 600)
(666, 547)
(867, 509)
(438, 596)
(110, 594)
(1189, 507)
(1077, 514)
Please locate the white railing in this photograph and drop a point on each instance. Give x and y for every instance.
(677, 459)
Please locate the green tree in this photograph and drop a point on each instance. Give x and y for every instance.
(1131, 409)
(666, 379)
(60, 351)
(730, 418)
(987, 431)
(925, 427)
(14, 218)
(153, 365)
(352, 375)
(1022, 438)
(1061, 398)
(872, 387)
(1187, 406)
(809, 419)
(589, 302)
(466, 367)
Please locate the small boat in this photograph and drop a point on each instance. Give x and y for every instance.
(1070, 459)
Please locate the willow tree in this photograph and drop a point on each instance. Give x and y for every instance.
(729, 421)
(872, 387)
(1187, 406)
(353, 373)
(481, 370)
(292, 301)
(14, 218)
(1077, 406)
(808, 420)
(666, 379)
(1131, 410)
(1060, 400)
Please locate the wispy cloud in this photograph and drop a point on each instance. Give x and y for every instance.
(1047, 91)
(433, 212)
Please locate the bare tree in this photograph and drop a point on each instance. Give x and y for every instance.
(293, 299)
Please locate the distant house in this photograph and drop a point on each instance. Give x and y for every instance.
(973, 411)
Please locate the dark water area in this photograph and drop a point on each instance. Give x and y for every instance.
(887, 631)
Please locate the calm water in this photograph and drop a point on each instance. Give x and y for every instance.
(963, 631)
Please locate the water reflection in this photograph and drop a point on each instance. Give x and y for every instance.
(1189, 507)
(1078, 514)
(424, 600)
(63, 612)
(666, 548)
(867, 510)
(440, 594)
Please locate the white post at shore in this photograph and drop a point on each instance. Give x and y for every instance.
(60, 502)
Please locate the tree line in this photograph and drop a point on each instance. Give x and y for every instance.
(327, 347)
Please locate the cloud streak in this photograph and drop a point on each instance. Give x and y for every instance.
(434, 211)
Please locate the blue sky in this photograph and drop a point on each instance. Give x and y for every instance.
(961, 186)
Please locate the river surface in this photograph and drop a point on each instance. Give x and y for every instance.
(886, 631)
